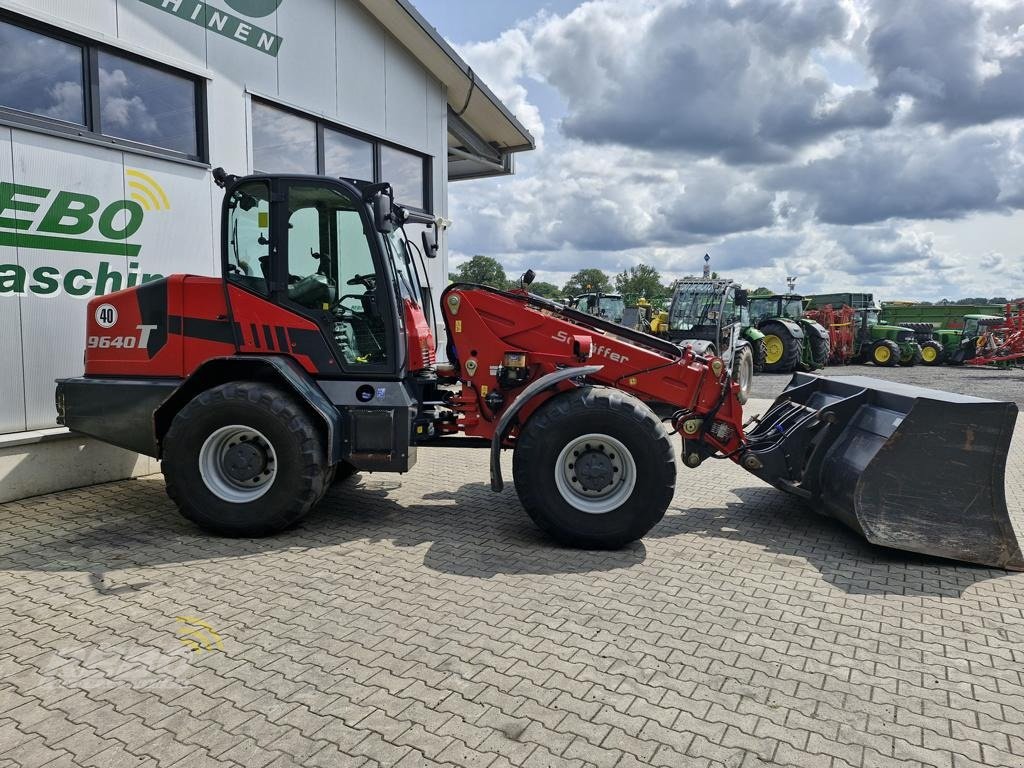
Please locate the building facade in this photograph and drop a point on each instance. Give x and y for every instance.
(112, 113)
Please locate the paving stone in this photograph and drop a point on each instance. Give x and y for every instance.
(420, 621)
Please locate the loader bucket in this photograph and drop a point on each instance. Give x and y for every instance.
(908, 467)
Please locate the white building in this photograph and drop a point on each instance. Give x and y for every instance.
(112, 113)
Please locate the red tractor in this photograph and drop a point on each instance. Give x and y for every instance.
(312, 357)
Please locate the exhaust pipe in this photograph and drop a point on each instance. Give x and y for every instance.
(907, 467)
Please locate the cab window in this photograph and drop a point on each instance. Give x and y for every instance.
(331, 272)
(248, 218)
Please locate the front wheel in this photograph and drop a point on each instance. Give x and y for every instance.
(594, 468)
(244, 459)
(743, 372)
(931, 353)
(885, 353)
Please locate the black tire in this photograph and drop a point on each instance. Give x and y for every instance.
(789, 360)
(743, 372)
(760, 352)
(912, 358)
(342, 472)
(606, 413)
(889, 361)
(295, 486)
(820, 349)
(928, 349)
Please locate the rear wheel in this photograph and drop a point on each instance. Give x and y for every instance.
(594, 468)
(244, 459)
(743, 372)
(820, 349)
(931, 353)
(782, 349)
(885, 353)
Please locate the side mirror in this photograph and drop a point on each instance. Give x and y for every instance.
(383, 213)
(742, 297)
(429, 238)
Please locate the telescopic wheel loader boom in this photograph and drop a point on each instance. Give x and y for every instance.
(312, 357)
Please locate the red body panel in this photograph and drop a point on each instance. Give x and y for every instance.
(149, 322)
(420, 340)
(484, 325)
(169, 327)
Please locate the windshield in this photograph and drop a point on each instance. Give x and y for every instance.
(792, 308)
(693, 306)
(761, 309)
(406, 280)
(612, 308)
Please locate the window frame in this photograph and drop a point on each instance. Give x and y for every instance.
(321, 124)
(90, 131)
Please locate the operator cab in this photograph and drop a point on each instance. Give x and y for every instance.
(335, 252)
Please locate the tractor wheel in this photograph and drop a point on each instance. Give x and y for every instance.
(782, 350)
(910, 358)
(931, 353)
(820, 350)
(885, 353)
(243, 459)
(760, 352)
(594, 468)
(743, 372)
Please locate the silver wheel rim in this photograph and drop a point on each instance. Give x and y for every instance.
(584, 465)
(746, 371)
(238, 464)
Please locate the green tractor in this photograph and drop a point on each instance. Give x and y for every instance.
(792, 342)
(710, 315)
(953, 345)
(883, 344)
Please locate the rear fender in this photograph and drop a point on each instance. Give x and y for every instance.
(528, 394)
(816, 327)
(791, 325)
(280, 370)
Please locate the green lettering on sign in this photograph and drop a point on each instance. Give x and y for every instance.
(222, 22)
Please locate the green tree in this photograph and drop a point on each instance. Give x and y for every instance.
(587, 281)
(638, 281)
(547, 290)
(761, 291)
(480, 269)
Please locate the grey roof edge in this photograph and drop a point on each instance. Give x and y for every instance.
(481, 86)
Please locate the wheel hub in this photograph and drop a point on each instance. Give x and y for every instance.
(244, 460)
(237, 463)
(594, 470)
(595, 473)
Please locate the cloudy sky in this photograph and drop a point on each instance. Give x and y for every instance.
(858, 144)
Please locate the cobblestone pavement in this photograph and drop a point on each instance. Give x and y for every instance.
(420, 620)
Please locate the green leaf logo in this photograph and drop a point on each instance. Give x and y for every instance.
(254, 8)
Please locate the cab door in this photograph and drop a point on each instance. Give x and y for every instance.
(333, 273)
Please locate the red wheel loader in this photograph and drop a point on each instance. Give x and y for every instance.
(312, 356)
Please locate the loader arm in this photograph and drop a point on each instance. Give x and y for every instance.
(489, 330)
(873, 454)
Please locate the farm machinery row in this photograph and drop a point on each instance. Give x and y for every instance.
(905, 334)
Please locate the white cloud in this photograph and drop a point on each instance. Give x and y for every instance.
(784, 137)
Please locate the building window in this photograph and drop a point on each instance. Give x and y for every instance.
(347, 156)
(282, 142)
(56, 80)
(41, 75)
(285, 141)
(405, 172)
(147, 105)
